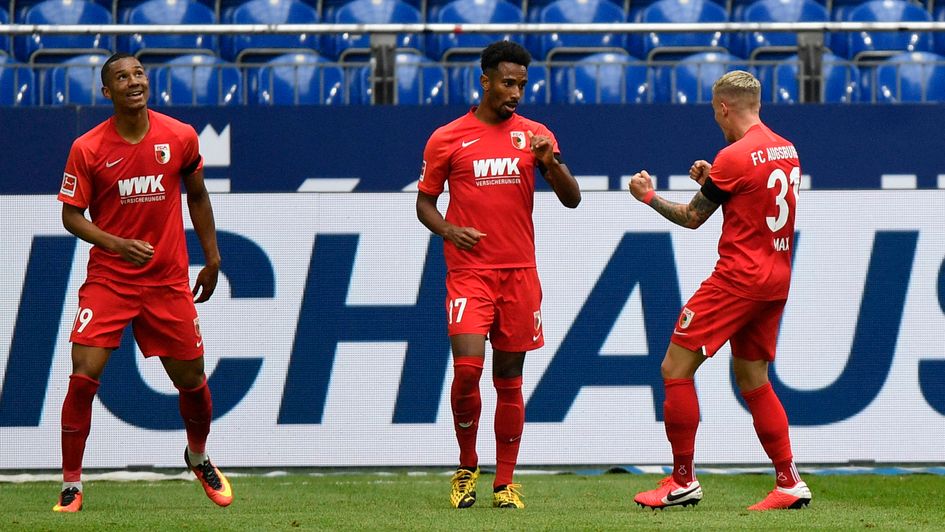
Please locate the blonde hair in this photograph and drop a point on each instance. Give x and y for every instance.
(738, 84)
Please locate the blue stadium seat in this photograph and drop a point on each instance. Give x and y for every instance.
(5, 39)
(601, 78)
(467, 46)
(374, 12)
(466, 89)
(911, 77)
(760, 45)
(691, 79)
(660, 46)
(879, 44)
(300, 79)
(253, 47)
(17, 83)
(157, 48)
(420, 81)
(841, 81)
(554, 45)
(18, 8)
(329, 7)
(39, 48)
(196, 80)
(939, 44)
(77, 81)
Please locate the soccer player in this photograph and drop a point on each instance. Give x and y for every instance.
(127, 172)
(489, 157)
(755, 179)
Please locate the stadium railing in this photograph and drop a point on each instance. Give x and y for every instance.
(384, 85)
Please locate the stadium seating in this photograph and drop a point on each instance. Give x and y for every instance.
(555, 46)
(663, 46)
(300, 79)
(841, 81)
(691, 79)
(467, 46)
(329, 7)
(601, 78)
(419, 81)
(40, 48)
(374, 12)
(466, 89)
(939, 39)
(196, 80)
(77, 81)
(17, 83)
(157, 48)
(761, 45)
(255, 47)
(18, 8)
(911, 77)
(5, 48)
(879, 44)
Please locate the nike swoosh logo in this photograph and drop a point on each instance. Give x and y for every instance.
(470, 142)
(536, 337)
(670, 497)
(200, 343)
(109, 164)
(465, 425)
(680, 333)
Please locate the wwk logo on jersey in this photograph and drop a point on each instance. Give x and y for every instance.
(497, 171)
(162, 153)
(141, 189)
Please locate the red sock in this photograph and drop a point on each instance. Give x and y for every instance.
(76, 421)
(466, 403)
(681, 419)
(196, 408)
(509, 423)
(771, 424)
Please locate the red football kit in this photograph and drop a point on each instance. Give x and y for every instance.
(756, 179)
(491, 175)
(134, 191)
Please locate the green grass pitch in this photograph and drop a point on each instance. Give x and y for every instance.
(401, 501)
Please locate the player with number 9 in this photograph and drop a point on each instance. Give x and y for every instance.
(755, 179)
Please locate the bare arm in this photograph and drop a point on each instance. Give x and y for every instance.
(691, 215)
(461, 237)
(134, 251)
(201, 215)
(555, 172)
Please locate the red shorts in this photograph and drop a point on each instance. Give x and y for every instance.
(163, 318)
(504, 304)
(713, 316)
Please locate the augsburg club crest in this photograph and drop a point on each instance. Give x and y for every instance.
(686, 318)
(518, 139)
(162, 153)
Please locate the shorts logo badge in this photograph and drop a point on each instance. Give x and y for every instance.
(686, 318)
(197, 330)
(537, 326)
(162, 153)
(518, 139)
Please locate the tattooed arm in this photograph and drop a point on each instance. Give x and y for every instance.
(691, 215)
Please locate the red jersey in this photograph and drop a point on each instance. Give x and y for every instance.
(134, 191)
(491, 174)
(762, 175)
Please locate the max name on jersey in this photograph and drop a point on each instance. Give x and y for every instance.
(141, 189)
(497, 171)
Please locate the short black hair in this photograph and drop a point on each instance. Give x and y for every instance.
(108, 64)
(504, 52)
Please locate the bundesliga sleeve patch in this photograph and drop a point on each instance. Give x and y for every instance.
(69, 183)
